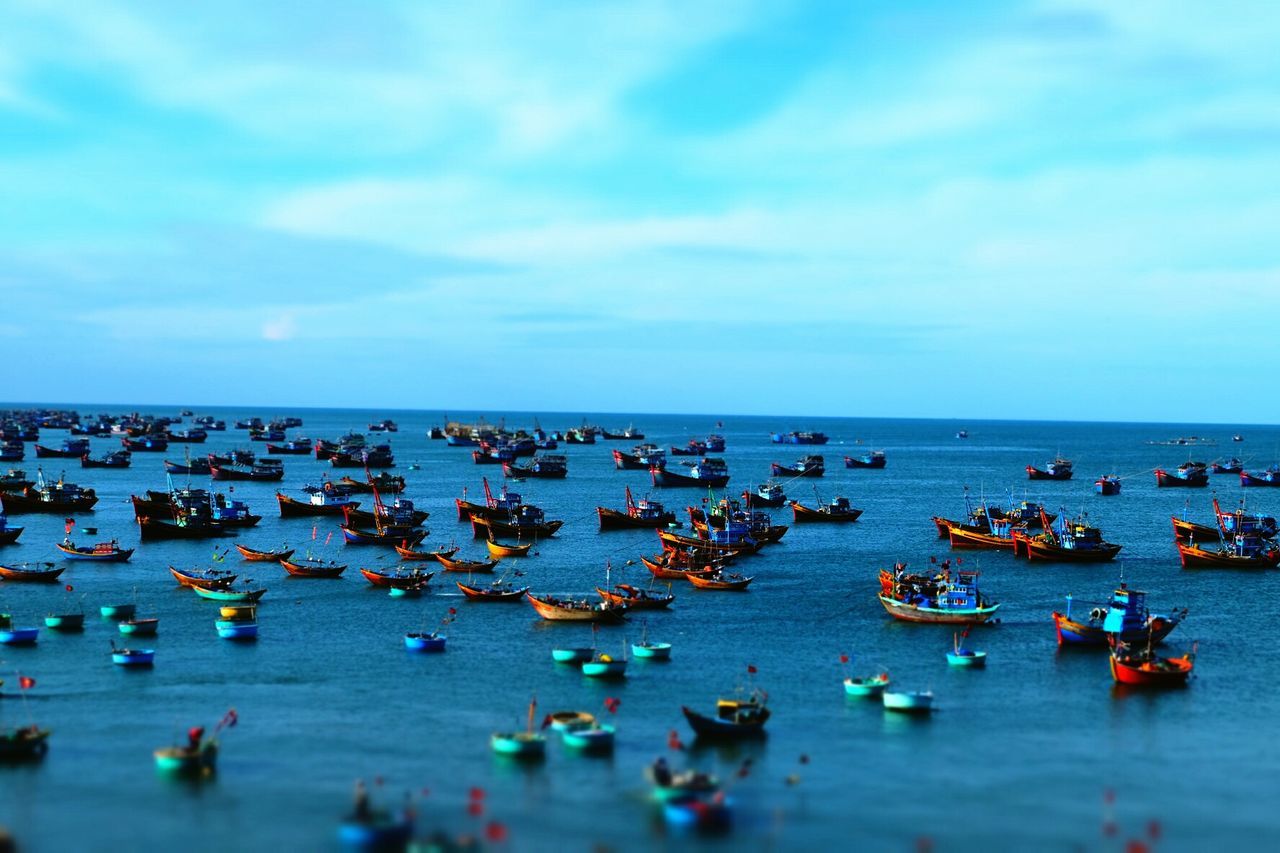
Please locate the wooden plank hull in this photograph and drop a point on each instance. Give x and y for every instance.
(912, 613)
(554, 611)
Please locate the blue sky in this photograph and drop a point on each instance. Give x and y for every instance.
(1059, 209)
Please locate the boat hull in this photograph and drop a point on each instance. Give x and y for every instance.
(913, 613)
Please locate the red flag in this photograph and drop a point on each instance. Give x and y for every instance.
(26, 683)
(959, 561)
(453, 611)
(964, 633)
(844, 658)
(71, 524)
(495, 832)
(476, 794)
(751, 669)
(314, 532)
(475, 808)
(546, 721)
(673, 740)
(230, 718)
(611, 704)
(69, 587)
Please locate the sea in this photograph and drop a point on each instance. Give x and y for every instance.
(1037, 751)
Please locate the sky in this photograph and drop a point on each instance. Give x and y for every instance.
(1052, 209)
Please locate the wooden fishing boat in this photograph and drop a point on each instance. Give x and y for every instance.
(1184, 530)
(384, 482)
(66, 623)
(1241, 552)
(293, 447)
(453, 565)
(399, 512)
(196, 467)
(118, 611)
(720, 581)
(809, 437)
(146, 443)
(309, 567)
(635, 598)
(133, 657)
(1071, 541)
(1058, 469)
(837, 510)
(326, 500)
(950, 598)
(1191, 475)
(228, 594)
(908, 702)
(8, 535)
(263, 470)
(1125, 618)
(25, 743)
(206, 578)
(768, 495)
(499, 550)
(494, 592)
(1107, 485)
(642, 514)
(735, 719)
(1143, 668)
(410, 555)
(420, 641)
(254, 556)
(544, 466)
(708, 472)
(520, 528)
(874, 459)
(813, 465)
(102, 552)
(389, 536)
(999, 537)
(867, 685)
(580, 610)
(72, 448)
(1229, 466)
(115, 459)
(396, 578)
(56, 497)
(26, 573)
(1269, 477)
(139, 627)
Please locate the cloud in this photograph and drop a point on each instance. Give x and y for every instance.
(284, 327)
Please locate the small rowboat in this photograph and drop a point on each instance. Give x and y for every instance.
(1145, 669)
(139, 627)
(397, 577)
(236, 630)
(264, 556)
(604, 666)
(118, 611)
(651, 651)
(424, 642)
(23, 744)
(498, 550)
(564, 610)
(527, 746)
(65, 622)
(867, 685)
(720, 581)
(498, 591)
(313, 568)
(208, 578)
(239, 612)
(571, 655)
(230, 594)
(49, 574)
(133, 657)
(908, 702)
(186, 761)
(11, 636)
(452, 565)
(103, 552)
(562, 720)
(595, 739)
(409, 555)
(967, 657)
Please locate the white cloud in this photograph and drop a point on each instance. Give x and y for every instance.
(282, 327)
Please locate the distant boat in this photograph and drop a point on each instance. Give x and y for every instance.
(1187, 475)
(768, 494)
(25, 572)
(1057, 469)
(1269, 477)
(908, 702)
(398, 578)
(494, 592)
(1229, 466)
(556, 609)
(102, 552)
(326, 500)
(866, 685)
(874, 459)
(837, 510)
(254, 556)
(228, 594)
(964, 433)
(645, 514)
(207, 578)
(24, 743)
(705, 473)
(114, 459)
(311, 567)
(809, 466)
(544, 466)
(798, 438)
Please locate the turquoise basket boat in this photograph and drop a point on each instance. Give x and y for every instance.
(908, 702)
(138, 627)
(596, 739)
(118, 611)
(871, 685)
(651, 651)
(967, 658)
(571, 655)
(66, 622)
(187, 762)
(133, 657)
(236, 630)
(419, 642)
(229, 594)
(604, 667)
(529, 746)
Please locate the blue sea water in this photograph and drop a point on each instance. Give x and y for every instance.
(1018, 756)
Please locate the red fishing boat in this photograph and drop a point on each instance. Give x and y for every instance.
(1144, 668)
(397, 578)
(41, 573)
(636, 598)
(645, 514)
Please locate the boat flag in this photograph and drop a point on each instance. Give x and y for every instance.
(673, 740)
(751, 669)
(70, 523)
(844, 658)
(453, 611)
(546, 721)
(327, 538)
(69, 587)
(495, 832)
(229, 719)
(611, 704)
(313, 532)
(26, 683)
(476, 793)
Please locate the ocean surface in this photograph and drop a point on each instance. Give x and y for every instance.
(1038, 751)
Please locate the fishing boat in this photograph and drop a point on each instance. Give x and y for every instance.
(1071, 541)
(313, 567)
(1057, 469)
(494, 592)
(837, 510)
(1269, 477)
(294, 447)
(324, 500)
(263, 470)
(636, 598)
(1229, 466)
(1191, 475)
(420, 641)
(866, 685)
(813, 465)
(594, 739)
(768, 494)
(411, 556)
(389, 536)
(117, 612)
(526, 745)
(102, 552)
(12, 635)
(1250, 524)
(642, 514)
(1125, 618)
(545, 466)
(741, 545)
(207, 578)
(1107, 484)
(8, 534)
(646, 650)
(197, 759)
(196, 467)
(15, 480)
(528, 523)
(146, 443)
(229, 594)
(115, 459)
(688, 785)
(238, 612)
(397, 578)
(720, 581)
(641, 458)
(29, 573)
(451, 564)
(133, 657)
(555, 609)
(188, 436)
(12, 451)
(949, 597)
(812, 437)
(996, 535)
(1237, 552)
(908, 702)
(229, 629)
(693, 448)
(498, 550)
(735, 718)
(874, 459)
(72, 448)
(572, 655)
(384, 482)
(24, 743)
(254, 556)
(1140, 667)
(960, 656)
(707, 472)
(60, 497)
(138, 627)
(604, 666)
(67, 623)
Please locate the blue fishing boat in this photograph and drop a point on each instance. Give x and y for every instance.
(735, 719)
(866, 685)
(424, 642)
(813, 465)
(1125, 617)
(1189, 475)
(1269, 477)
(705, 473)
(604, 666)
(236, 629)
(812, 437)
(8, 534)
(1107, 485)
(72, 448)
(118, 611)
(133, 657)
(527, 745)
(1242, 523)
(594, 739)
(947, 597)
(66, 623)
(874, 459)
(571, 655)
(715, 443)
(139, 627)
(1230, 466)
(960, 656)
(908, 701)
(102, 552)
(12, 635)
(1057, 469)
